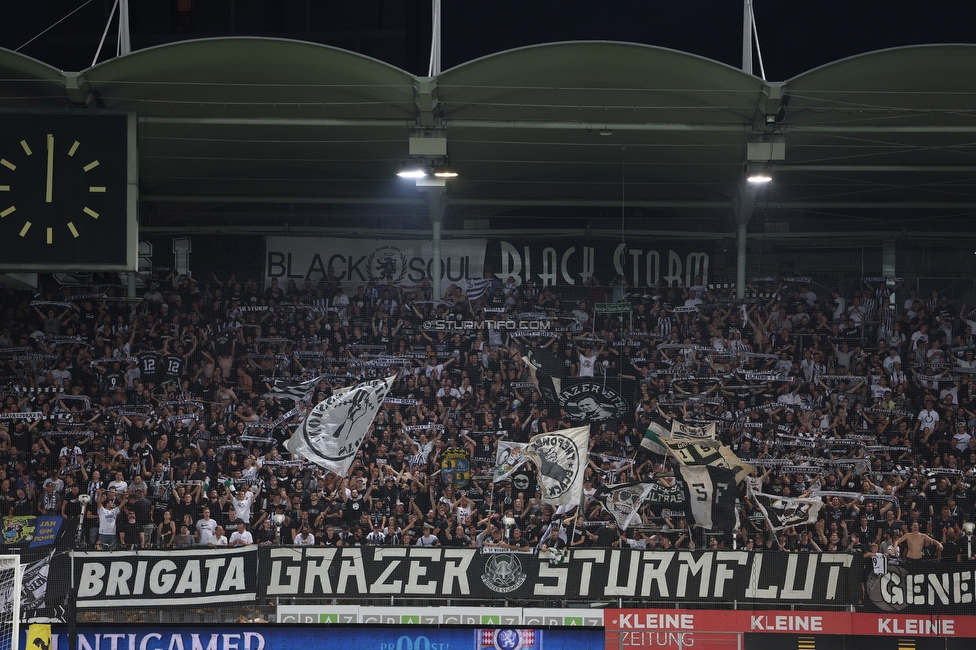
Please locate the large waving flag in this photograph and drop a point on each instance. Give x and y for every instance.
(783, 512)
(331, 434)
(509, 456)
(560, 459)
(624, 500)
(293, 390)
(657, 431)
(475, 288)
(547, 385)
(710, 453)
(660, 430)
(710, 491)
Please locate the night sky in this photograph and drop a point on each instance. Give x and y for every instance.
(795, 35)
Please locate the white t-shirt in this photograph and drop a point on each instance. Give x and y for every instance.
(306, 540)
(206, 528)
(120, 486)
(927, 419)
(106, 520)
(961, 440)
(427, 540)
(243, 506)
(242, 538)
(586, 364)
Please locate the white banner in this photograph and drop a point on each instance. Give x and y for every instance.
(332, 433)
(357, 261)
(509, 457)
(560, 458)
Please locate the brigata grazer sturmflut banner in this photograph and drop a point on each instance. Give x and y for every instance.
(173, 578)
(202, 576)
(471, 573)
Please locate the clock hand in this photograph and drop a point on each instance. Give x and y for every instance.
(49, 195)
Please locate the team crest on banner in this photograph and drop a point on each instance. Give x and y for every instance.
(387, 263)
(18, 530)
(507, 639)
(503, 573)
(332, 433)
(590, 401)
(455, 467)
(560, 459)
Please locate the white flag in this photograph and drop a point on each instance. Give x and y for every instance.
(331, 434)
(509, 456)
(700, 490)
(681, 431)
(295, 391)
(783, 512)
(560, 459)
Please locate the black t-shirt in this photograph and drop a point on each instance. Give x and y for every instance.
(131, 531)
(326, 540)
(606, 536)
(224, 343)
(148, 364)
(352, 510)
(173, 365)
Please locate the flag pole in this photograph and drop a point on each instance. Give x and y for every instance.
(491, 498)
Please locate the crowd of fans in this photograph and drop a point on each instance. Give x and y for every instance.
(165, 410)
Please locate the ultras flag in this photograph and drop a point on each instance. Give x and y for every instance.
(331, 434)
(560, 458)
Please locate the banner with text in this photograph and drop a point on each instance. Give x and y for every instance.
(357, 261)
(928, 588)
(486, 636)
(643, 264)
(641, 621)
(173, 578)
(816, 579)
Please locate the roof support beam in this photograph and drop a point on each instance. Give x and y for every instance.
(426, 88)
(949, 206)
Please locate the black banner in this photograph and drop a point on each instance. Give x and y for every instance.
(174, 578)
(565, 262)
(462, 573)
(925, 588)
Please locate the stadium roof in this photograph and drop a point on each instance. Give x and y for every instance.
(254, 133)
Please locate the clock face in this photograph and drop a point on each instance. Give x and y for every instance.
(63, 191)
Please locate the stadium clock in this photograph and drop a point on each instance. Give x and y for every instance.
(64, 191)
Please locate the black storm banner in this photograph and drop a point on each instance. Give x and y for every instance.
(165, 578)
(814, 578)
(642, 263)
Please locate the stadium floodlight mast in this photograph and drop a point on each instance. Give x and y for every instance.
(123, 45)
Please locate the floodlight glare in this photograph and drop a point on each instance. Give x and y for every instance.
(759, 178)
(445, 173)
(412, 173)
